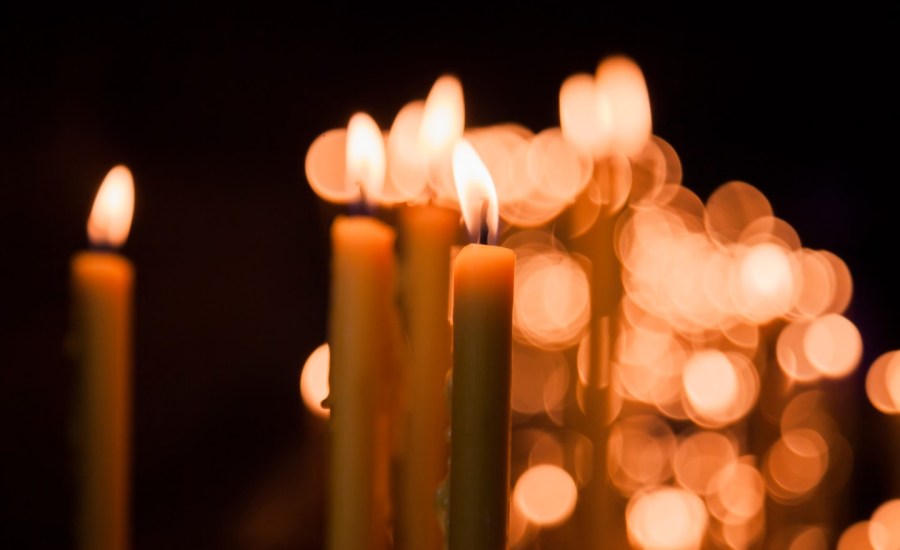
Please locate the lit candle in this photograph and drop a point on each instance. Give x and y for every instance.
(361, 330)
(482, 335)
(427, 234)
(102, 282)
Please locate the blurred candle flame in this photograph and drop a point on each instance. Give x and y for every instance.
(443, 120)
(110, 219)
(476, 191)
(365, 157)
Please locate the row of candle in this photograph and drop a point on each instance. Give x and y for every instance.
(625, 295)
(653, 285)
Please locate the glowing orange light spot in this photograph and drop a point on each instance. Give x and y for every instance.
(843, 283)
(765, 286)
(737, 493)
(365, 157)
(518, 526)
(552, 306)
(640, 453)
(622, 93)
(817, 290)
(476, 191)
(444, 116)
(833, 345)
(546, 495)
(791, 353)
(719, 388)
(407, 163)
(110, 219)
(314, 381)
(884, 390)
(326, 168)
(732, 208)
(884, 526)
(582, 122)
(796, 464)
(699, 457)
(855, 537)
(666, 518)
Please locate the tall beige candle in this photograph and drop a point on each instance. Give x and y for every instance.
(482, 364)
(427, 234)
(362, 299)
(102, 288)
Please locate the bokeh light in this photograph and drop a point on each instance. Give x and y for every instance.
(314, 380)
(884, 526)
(666, 518)
(545, 495)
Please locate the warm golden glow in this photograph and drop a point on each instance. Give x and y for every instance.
(833, 345)
(584, 124)
(699, 457)
(796, 464)
(407, 165)
(884, 526)
(477, 196)
(719, 388)
(640, 453)
(765, 287)
(732, 207)
(314, 381)
(110, 219)
(326, 167)
(738, 493)
(883, 383)
(666, 518)
(622, 93)
(546, 495)
(855, 537)
(365, 157)
(444, 118)
(551, 306)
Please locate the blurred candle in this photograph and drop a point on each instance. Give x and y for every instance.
(361, 317)
(427, 233)
(102, 283)
(482, 335)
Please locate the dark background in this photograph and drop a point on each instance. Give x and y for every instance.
(213, 111)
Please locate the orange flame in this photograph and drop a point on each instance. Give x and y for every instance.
(365, 157)
(110, 219)
(476, 191)
(443, 119)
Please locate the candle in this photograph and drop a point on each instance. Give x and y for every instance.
(361, 332)
(482, 335)
(427, 235)
(102, 283)
(424, 137)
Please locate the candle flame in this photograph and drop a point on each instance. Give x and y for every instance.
(443, 119)
(110, 219)
(365, 157)
(476, 191)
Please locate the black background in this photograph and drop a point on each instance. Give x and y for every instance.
(213, 111)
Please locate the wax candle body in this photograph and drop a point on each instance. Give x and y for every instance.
(362, 313)
(427, 235)
(480, 411)
(102, 284)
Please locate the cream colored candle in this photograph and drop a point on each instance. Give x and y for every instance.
(362, 297)
(427, 234)
(482, 359)
(102, 287)
(362, 331)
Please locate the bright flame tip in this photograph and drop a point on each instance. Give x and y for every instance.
(110, 219)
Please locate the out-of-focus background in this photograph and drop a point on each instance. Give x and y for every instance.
(213, 111)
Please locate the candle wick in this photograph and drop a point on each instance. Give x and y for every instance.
(482, 224)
